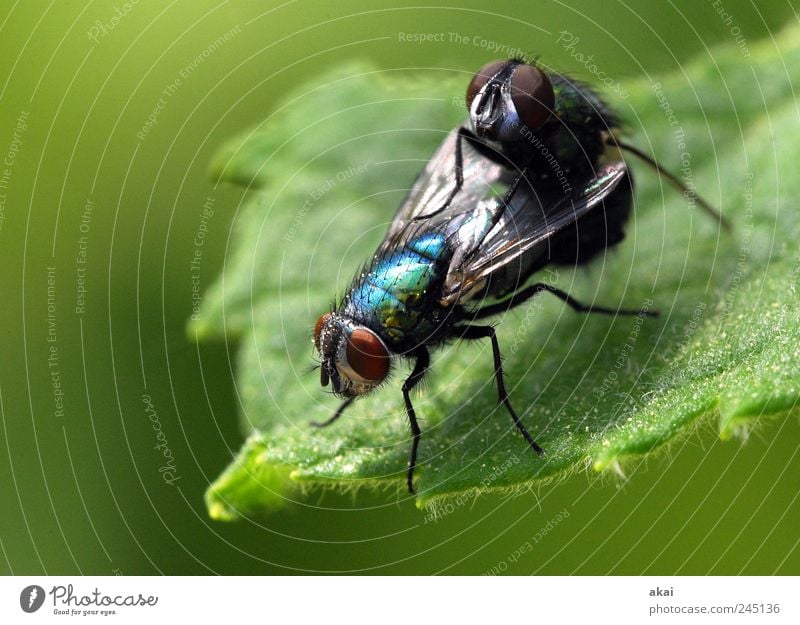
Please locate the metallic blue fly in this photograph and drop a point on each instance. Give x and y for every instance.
(535, 178)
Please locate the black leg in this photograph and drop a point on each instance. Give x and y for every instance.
(459, 171)
(420, 367)
(512, 189)
(459, 167)
(342, 407)
(525, 294)
(464, 134)
(482, 332)
(673, 180)
(501, 208)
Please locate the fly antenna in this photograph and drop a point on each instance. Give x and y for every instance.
(673, 180)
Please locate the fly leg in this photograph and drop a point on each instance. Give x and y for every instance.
(420, 368)
(465, 134)
(672, 179)
(525, 294)
(506, 202)
(342, 407)
(501, 208)
(459, 171)
(482, 332)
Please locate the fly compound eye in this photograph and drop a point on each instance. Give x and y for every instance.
(532, 95)
(367, 355)
(480, 79)
(318, 330)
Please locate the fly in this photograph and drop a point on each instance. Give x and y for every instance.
(534, 178)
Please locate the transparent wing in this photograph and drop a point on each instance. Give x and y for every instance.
(422, 210)
(525, 225)
(483, 233)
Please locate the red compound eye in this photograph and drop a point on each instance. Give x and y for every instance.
(367, 355)
(318, 329)
(532, 95)
(483, 76)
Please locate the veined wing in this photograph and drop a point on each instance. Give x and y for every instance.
(483, 181)
(529, 220)
(484, 235)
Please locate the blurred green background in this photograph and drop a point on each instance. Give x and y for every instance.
(98, 213)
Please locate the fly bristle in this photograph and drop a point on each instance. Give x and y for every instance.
(312, 368)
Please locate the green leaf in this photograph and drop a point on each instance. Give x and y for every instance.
(332, 165)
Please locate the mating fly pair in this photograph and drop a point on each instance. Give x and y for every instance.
(535, 178)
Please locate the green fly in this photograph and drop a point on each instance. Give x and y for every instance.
(535, 178)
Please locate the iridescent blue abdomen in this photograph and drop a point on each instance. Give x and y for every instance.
(396, 295)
